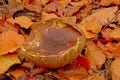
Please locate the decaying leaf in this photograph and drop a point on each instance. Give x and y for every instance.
(23, 21)
(10, 41)
(115, 69)
(7, 61)
(92, 24)
(95, 55)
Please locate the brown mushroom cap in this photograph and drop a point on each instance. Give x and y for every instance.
(53, 44)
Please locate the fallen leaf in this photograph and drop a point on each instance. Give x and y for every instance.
(33, 7)
(17, 73)
(96, 20)
(95, 55)
(46, 16)
(73, 72)
(115, 69)
(83, 61)
(23, 21)
(7, 61)
(111, 34)
(97, 78)
(56, 7)
(109, 2)
(10, 41)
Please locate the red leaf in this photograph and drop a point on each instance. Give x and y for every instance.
(83, 61)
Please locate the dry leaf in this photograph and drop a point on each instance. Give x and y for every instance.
(73, 72)
(23, 21)
(10, 41)
(7, 61)
(56, 7)
(46, 16)
(111, 34)
(96, 20)
(17, 73)
(95, 55)
(115, 69)
(109, 2)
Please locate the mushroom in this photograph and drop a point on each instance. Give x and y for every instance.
(53, 44)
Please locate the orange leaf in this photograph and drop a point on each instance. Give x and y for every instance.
(95, 55)
(7, 61)
(10, 41)
(23, 21)
(92, 24)
(17, 73)
(109, 2)
(115, 69)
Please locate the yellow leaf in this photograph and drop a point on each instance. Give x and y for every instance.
(95, 55)
(10, 41)
(7, 61)
(23, 21)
